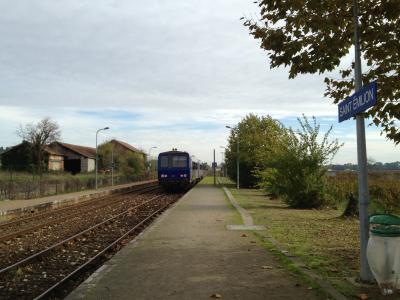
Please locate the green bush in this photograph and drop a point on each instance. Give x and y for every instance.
(297, 173)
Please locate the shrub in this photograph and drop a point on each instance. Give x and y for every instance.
(298, 173)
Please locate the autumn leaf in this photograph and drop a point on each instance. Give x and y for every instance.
(216, 296)
(315, 37)
(362, 296)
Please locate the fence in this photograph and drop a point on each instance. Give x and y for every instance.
(26, 186)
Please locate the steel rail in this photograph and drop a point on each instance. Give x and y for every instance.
(82, 203)
(74, 236)
(62, 218)
(81, 267)
(70, 206)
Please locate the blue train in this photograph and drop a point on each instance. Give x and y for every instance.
(177, 171)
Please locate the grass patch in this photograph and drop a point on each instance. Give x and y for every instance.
(236, 217)
(326, 243)
(289, 265)
(207, 180)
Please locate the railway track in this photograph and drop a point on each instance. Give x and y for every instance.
(42, 273)
(21, 225)
(50, 231)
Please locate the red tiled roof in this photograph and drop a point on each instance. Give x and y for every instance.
(127, 146)
(88, 152)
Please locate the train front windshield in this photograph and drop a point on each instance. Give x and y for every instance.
(174, 161)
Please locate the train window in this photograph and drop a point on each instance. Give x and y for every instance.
(164, 162)
(179, 161)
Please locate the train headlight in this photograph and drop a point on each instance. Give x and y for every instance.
(185, 175)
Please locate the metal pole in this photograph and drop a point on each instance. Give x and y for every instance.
(363, 194)
(214, 168)
(149, 162)
(97, 132)
(112, 166)
(96, 159)
(237, 163)
(222, 164)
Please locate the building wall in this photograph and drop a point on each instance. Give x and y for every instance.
(56, 163)
(87, 164)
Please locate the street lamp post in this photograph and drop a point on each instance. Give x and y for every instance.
(223, 160)
(237, 159)
(149, 166)
(96, 161)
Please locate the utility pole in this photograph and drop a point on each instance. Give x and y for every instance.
(363, 193)
(214, 168)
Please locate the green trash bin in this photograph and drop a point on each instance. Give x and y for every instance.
(383, 251)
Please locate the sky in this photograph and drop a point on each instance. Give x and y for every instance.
(159, 73)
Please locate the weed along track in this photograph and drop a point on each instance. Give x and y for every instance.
(50, 259)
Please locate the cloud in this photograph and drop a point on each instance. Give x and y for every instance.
(165, 73)
(196, 132)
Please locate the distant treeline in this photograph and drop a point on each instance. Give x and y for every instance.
(376, 166)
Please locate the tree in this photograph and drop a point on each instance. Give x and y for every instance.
(19, 158)
(127, 163)
(258, 140)
(132, 165)
(39, 136)
(311, 36)
(298, 169)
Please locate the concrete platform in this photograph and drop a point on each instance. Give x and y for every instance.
(12, 207)
(189, 254)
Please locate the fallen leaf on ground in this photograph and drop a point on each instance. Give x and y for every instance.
(362, 296)
(216, 296)
(267, 267)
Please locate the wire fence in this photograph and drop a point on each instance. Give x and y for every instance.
(17, 185)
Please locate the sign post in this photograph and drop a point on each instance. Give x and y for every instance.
(214, 167)
(362, 99)
(358, 102)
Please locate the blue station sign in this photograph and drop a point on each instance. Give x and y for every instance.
(358, 102)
